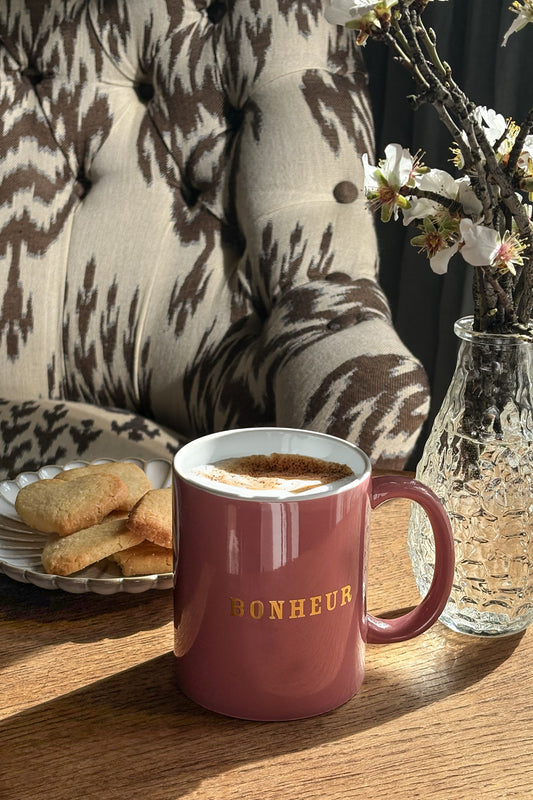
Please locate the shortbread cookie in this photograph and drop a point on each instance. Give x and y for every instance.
(132, 475)
(62, 507)
(152, 517)
(145, 558)
(68, 554)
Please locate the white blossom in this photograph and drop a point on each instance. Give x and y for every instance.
(497, 130)
(396, 168)
(524, 15)
(494, 124)
(339, 12)
(480, 243)
(482, 247)
(383, 183)
(470, 202)
(439, 262)
(526, 156)
(437, 181)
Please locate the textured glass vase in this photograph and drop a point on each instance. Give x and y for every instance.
(479, 461)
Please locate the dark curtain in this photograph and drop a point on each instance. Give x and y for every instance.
(469, 32)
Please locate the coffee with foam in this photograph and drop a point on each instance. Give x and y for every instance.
(277, 472)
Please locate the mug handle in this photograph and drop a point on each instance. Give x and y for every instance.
(420, 618)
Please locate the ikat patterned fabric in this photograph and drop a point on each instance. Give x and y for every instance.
(184, 243)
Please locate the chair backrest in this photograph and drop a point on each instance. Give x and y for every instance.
(180, 208)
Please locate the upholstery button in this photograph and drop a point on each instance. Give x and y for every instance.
(234, 117)
(216, 10)
(190, 195)
(82, 184)
(32, 74)
(145, 91)
(345, 192)
(334, 325)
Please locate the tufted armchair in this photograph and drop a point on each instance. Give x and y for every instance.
(184, 246)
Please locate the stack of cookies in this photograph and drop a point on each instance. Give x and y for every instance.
(102, 511)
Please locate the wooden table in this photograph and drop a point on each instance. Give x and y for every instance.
(89, 708)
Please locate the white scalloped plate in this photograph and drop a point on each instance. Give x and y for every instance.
(21, 546)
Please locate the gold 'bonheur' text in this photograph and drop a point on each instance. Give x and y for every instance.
(296, 608)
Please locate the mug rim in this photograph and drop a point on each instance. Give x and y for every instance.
(237, 494)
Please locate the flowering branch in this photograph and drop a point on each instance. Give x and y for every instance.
(484, 215)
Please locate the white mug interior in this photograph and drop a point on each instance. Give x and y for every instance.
(264, 441)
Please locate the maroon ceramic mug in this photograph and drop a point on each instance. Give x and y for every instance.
(269, 592)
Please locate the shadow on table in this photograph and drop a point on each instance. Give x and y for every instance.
(136, 735)
(82, 618)
(23, 601)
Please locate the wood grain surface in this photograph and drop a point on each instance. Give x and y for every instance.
(89, 708)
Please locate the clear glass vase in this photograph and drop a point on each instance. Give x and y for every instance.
(479, 461)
